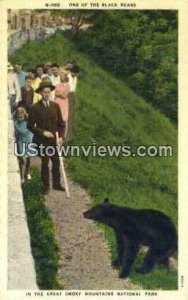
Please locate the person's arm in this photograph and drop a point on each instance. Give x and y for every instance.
(22, 94)
(34, 128)
(74, 84)
(32, 123)
(17, 88)
(58, 95)
(16, 131)
(63, 95)
(32, 94)
(60, 124)
(68, 88)
(71, 84)
(59, 92)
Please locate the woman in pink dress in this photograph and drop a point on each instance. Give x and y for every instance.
(61, 97)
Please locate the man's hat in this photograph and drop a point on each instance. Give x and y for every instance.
(44, 84)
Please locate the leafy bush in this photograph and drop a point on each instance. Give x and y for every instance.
(141, 46)
(45, 248)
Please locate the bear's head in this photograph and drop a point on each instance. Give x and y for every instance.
(98, 212)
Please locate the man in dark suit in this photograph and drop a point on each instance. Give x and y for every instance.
(45, 121)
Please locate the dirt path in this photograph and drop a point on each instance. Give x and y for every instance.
(85, 258)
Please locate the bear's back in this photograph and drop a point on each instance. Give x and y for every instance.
(147, 226)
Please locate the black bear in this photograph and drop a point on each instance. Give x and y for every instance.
(135, 227)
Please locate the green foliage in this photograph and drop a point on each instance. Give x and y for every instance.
(141, 48)
(44, 246)
(108, 112)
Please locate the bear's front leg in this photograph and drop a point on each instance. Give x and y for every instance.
(130, 250)
(120, 250)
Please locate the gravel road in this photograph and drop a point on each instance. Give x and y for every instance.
(85, 258)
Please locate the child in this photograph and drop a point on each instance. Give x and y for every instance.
(27, 94)
(23, 138)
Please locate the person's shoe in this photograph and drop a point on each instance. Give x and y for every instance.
(28, 176)
(58, 187)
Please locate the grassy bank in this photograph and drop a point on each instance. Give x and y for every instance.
(44, 246)
(110, 113)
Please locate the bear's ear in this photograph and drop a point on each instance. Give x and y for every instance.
(106, 200)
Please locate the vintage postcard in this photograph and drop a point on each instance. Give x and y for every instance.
(94, 146)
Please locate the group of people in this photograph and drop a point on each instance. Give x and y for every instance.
(22, 88)
(42, 106)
